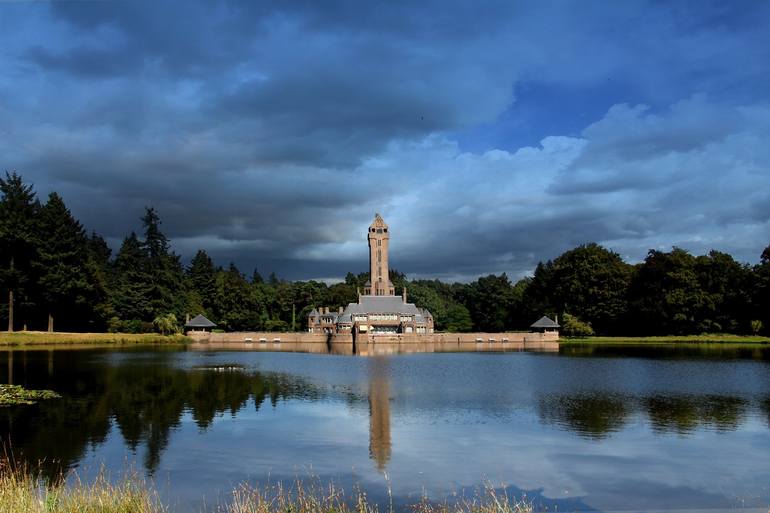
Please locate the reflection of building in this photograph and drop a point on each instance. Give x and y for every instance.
(378, 310)
(379, 413)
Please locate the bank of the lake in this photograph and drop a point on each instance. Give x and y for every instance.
(21, 491)
(716, 338)
(44, 338)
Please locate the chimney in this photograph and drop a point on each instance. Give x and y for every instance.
(404, 294)
(187, 318)
(556, 318)
(340, 311)
(358, 291)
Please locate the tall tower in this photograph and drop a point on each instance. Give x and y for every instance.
(380, 284)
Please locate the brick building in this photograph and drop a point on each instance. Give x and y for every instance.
(378, 310)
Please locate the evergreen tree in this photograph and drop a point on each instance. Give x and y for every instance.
(131, 296)
(99, 267)
(202, 277)
(235, 307)
(761, 295)
(18, 216)
(164, 269)
(62, 257)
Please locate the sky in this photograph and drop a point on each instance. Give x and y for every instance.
(490, 135)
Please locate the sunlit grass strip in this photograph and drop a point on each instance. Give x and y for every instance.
(26, 338)
(20, 492)
(715, 338)
(11, 395)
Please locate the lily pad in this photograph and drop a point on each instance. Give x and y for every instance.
(11, 395)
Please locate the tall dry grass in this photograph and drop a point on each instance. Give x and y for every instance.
(304, 498)
(22, 492)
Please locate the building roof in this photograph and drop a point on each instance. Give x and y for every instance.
(314, 313)
(544, 322)
(383, 304)
(199, 321)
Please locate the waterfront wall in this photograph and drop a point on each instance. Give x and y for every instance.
(342, 343)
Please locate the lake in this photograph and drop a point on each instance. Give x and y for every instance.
(606, 428)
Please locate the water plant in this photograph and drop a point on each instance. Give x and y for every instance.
(11, 395)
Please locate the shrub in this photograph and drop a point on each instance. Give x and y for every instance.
(571, 326)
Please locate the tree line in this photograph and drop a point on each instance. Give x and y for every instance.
(56, 275)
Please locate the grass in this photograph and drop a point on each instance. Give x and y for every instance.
(711, 338)
(11, 395)
(21, 492)
(33, 338)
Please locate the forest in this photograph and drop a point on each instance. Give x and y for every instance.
(55, 275)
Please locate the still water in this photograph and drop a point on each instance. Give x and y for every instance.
(609, 429)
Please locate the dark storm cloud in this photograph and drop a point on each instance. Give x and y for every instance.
(269, 134)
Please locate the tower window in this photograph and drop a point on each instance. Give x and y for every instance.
(379, 230)
(379, 242)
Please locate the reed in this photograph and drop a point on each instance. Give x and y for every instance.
(22, 492)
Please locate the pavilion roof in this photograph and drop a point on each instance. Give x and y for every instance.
(544, 322)
(199, 321)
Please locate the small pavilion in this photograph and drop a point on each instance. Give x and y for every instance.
(199, 324)
(545, 325)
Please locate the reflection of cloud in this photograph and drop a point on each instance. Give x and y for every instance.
(379, 412)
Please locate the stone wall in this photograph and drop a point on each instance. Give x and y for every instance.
(342, 343)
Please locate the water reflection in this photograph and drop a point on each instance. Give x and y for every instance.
(590, 415)
(577, 432)
(597, 415)
(144, 401)
(379, 412)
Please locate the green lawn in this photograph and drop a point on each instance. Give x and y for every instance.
(670, 339)
(36, 338)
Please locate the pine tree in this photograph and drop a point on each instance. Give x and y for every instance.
(130, 289)
(18, 214)
(202, 277)
(99, 267)
(166, 293)
(62, 263)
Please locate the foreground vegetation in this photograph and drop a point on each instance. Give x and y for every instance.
(35, 338)
(54, 275)
(21, 492)
(713, 338)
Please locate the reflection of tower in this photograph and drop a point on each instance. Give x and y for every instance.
(379, 412)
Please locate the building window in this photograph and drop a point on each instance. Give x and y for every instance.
(379, 230)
